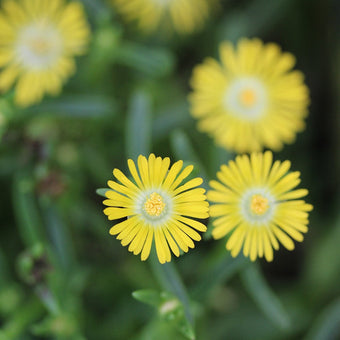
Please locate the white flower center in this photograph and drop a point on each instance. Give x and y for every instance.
(246, 98)
(258, 206)
(38, 46)
(154, 206)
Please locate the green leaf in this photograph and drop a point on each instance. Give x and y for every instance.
(4, 269)
(326, 325)
(217, 157)
(170, 118)
(3, 336)
(182, 148)
(220, 273)
(171, 281)
(138, 126)
(169, 308)
(61, 326)
(26, 211)
(23, 317)
(11, 296)
(78, 106)
(148, 296)
(48, 299)
(324, 273)
(156, 62)
(95, 7)
(253, 20)
(257, 287)
(102, 191)
(59, 235)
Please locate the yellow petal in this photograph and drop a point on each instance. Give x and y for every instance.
(254, 245)
(116, 213)
(171, 242)
(124, 180)
(192, 223)
(285, 240)
(195, 182)
(184, 174)
(173, 172)
(134, 173)
(147, 246)
(119, 227)
(143, 170)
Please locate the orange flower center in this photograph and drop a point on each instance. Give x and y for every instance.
(259, 204)
(40, 46)
(247, 97)
(154, 205)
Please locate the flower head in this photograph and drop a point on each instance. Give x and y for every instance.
(38, 40)
(184, 16)
(255, 201)
(252, 99)
(156, 206)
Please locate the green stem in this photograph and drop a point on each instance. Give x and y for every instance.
(221, 272)
(171, 281)
(264, 297)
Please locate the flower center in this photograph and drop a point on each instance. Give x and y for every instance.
(39, 46)
(154, 205)
(259, 204)
(247, 97)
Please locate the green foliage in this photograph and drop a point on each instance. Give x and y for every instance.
(62, 276)
(169, 308)
(266, 299)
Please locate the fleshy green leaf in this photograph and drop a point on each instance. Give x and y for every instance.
(253, 19)
(264, 297)
(148, 296)
(182, 148)
(78, 106)
(221, 272)
(26, 210)
(152, 61)
(102, 191)
(170, 118)
(326, 326)
(138, 126)
(169, 308)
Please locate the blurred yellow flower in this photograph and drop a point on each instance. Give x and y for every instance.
(38, 40)
(255, 201)
(155, 205)
(184, 16)
(252, 99)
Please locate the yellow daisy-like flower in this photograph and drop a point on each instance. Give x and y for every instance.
(184, 16)
(156, 205)
(252, 99)
(38, 40)
(255, 201)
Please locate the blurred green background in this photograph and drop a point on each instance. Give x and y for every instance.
(62, 276)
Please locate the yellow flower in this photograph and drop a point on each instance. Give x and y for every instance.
(155, 205)
(252, 99)
(38, 40)
(184, 16)
(255, 201)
